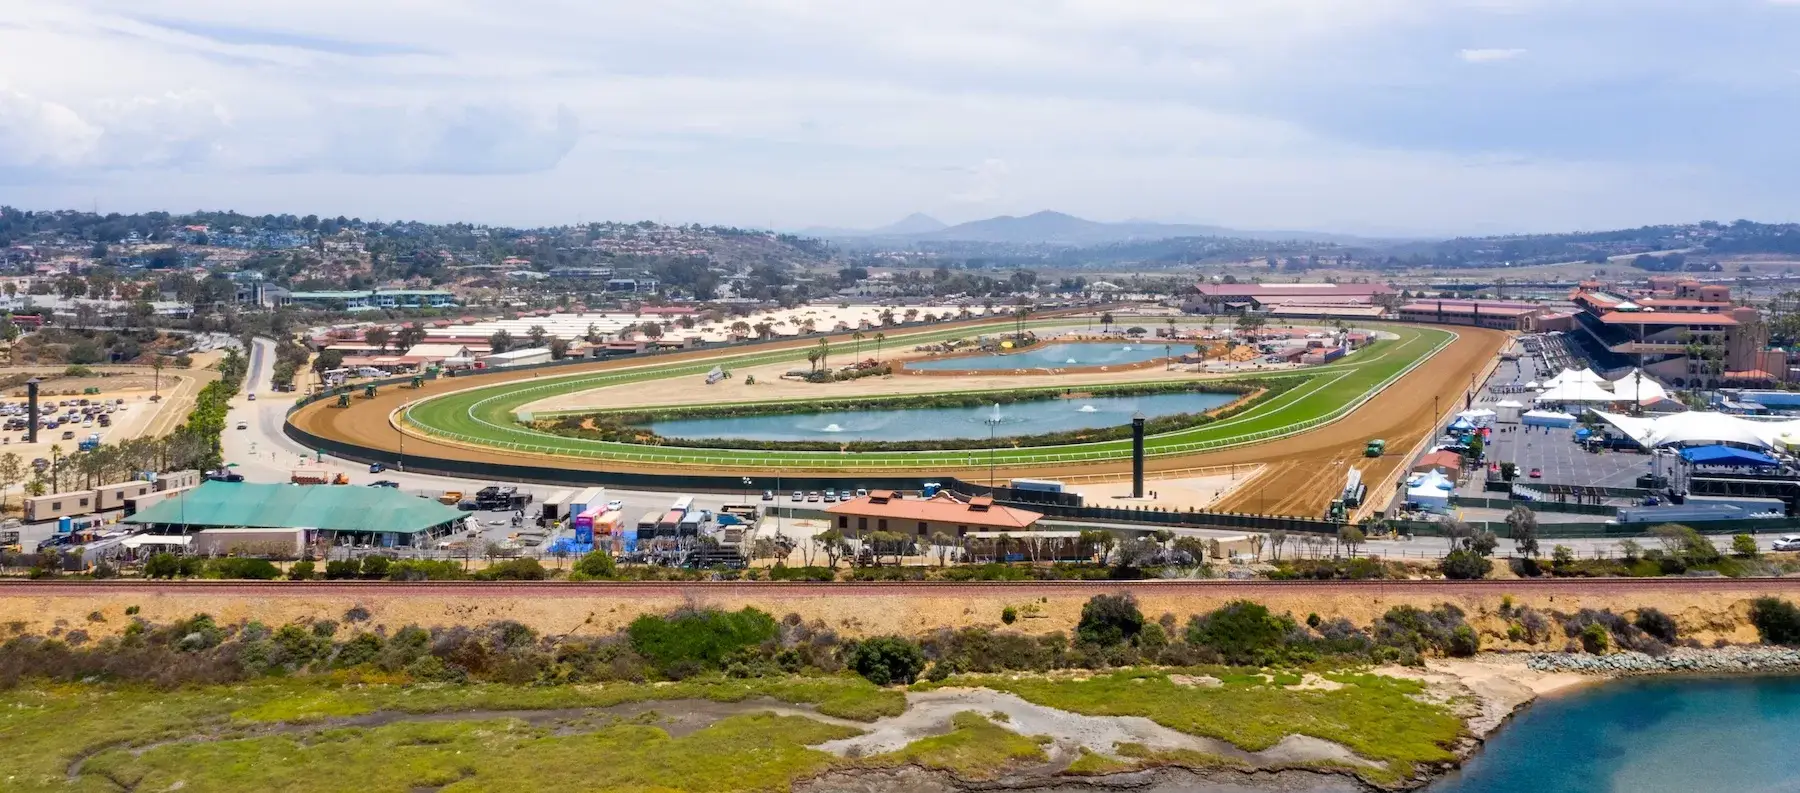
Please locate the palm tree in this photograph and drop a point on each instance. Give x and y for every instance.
(1171, 327)
(879, 338)
(824, 353)
(812, 358)
(857, 337)
(1200, 350)
(1106, 321)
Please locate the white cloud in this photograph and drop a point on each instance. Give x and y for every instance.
(801, 112)
(1489, 55)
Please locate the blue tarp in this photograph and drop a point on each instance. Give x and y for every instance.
(1725, 455)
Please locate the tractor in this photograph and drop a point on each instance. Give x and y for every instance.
(343, 400)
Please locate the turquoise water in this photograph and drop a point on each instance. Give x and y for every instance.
(1647, 736)
(918, 424)
(1053, 356)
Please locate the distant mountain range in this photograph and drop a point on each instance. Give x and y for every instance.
(1055, 228)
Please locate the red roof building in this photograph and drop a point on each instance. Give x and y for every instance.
(888, 510)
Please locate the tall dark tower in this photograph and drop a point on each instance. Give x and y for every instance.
(31, 409)
(1137, 455)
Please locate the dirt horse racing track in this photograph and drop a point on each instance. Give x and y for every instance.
(1300, 473)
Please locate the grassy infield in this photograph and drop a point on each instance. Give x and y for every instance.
(282, 735)
(487, 413)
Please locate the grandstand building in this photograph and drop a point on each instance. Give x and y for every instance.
(1694, 337)
(1496, 314)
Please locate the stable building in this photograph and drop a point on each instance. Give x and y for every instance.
(376, 516)
(889, 510)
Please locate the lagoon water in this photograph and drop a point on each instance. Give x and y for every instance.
(914, 424)
(1054, 356)
(1663, 735)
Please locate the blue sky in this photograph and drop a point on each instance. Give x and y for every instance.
(1371, 116)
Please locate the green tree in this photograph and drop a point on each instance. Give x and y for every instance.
(1777, 621)
(1351, 537)
(500, 342)
(1465, 565)
(378, 336)
(886, 660)
(1744, 545)
(1108, 620)
(597, 564)
(1522, 524)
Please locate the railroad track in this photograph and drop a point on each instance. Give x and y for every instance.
(1435, 588)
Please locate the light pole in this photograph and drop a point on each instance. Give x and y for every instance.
(746, 489)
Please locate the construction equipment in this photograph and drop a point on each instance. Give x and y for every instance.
(451, 497)
(1376, 448)
(309, 476)
(343, 400)
(341, 479)
(368, 392)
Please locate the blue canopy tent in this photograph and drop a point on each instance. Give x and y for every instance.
(1461, 425)
(1726, 456)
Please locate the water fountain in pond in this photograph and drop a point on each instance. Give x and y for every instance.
(1071, 360)
(833, 428)
(1089, 409)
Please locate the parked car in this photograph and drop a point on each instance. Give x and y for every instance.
(376, 468)
(385, 483)
(252, 396)
(768, 495)
(845, 495)
(813, 496)
(798, 496)
(614, 505)
(1787, 542)
(831, 496)
(1537, 473)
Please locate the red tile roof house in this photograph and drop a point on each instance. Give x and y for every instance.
(887, 510)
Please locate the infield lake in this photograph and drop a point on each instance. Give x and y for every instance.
(1661, 735)
(920, 424)
(1054, 356)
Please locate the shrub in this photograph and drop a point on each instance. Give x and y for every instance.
(1656, 623)
(1107, 620)
(1009, 615)
(1777, 621)
(301, 570)
(814, 573)
(238, 567)
(1465, 565)
(1422, 631)
(341, 569)
(1744, 545)
(690, 641)
(885, 660)
(1241, 632)
(1464, 642)
(162, 565)
(1594, 638)
(514, 570)
(425, 570)
(361, 649)
(597, 564)
(375, 566)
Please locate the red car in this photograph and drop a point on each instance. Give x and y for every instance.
(1537, 473)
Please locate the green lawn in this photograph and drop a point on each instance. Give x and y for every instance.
(1377, 717)
(44, 729)
(485, 415)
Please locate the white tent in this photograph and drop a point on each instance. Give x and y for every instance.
(1478, 417)
(1431, 491)
(1574, 376)
(1547, 418)
(1507, 411)
(1533, 385)
(1645, 390)
(1682, 429)
(1570, 391)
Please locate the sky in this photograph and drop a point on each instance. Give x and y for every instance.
(1414, 117)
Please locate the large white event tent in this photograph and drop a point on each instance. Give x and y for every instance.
(1576, 390)
(1698, 428)
(1642, 391)
(1573, 376)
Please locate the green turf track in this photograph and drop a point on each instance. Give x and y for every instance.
(484, 415)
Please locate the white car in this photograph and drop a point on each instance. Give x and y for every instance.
(1787, 542)
(614, 505)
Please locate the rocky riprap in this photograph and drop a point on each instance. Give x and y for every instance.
(1724, 659)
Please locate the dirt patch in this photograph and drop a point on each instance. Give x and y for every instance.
(1196, 681)
(1312, 682)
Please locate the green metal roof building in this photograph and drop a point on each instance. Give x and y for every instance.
(380, 515)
